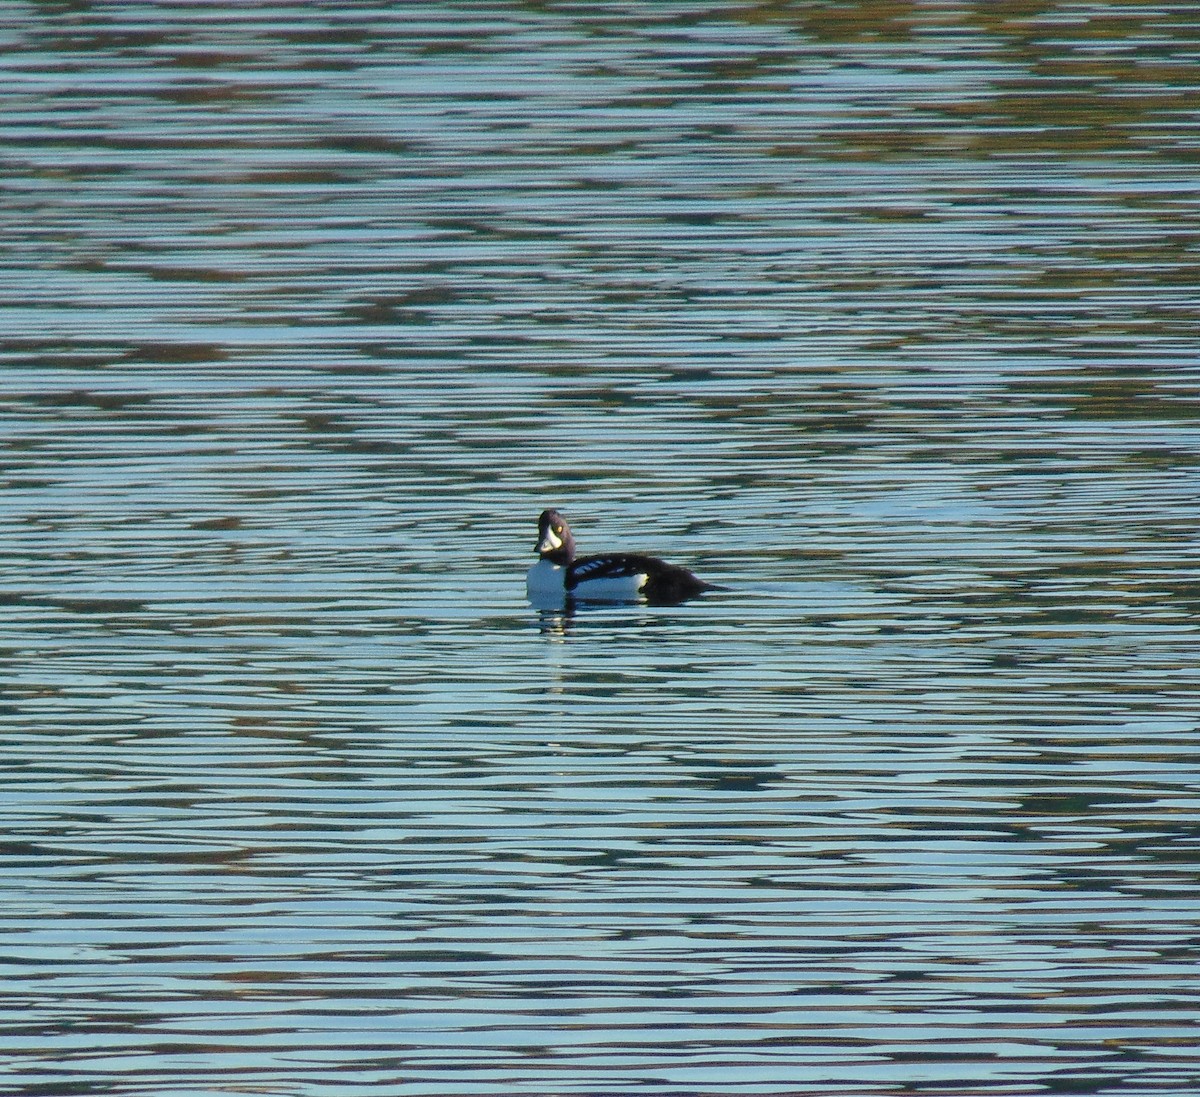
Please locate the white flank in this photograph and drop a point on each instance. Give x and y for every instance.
(624, 588)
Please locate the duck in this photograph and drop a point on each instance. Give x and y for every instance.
(559, 577)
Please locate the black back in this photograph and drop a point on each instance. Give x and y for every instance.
(666, 584)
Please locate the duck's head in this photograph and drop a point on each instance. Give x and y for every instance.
(555, 542)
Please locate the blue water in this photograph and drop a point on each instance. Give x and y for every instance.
(881, 316)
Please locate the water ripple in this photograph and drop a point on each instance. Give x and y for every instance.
(883, 319)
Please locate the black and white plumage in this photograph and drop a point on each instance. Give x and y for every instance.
(612, 577)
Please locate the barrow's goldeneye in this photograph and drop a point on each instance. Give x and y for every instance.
(617, 577)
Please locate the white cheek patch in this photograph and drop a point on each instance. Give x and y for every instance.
(550, 541)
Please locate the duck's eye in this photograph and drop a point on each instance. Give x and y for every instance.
(558, 529)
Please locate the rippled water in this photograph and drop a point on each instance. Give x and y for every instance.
(882, 315)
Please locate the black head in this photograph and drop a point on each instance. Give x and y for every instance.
(555, 542)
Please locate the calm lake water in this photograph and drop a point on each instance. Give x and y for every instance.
(882, 315)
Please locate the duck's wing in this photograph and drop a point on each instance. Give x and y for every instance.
(614, 566)
(663, 583)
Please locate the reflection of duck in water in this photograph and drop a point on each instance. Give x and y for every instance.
(614, 577)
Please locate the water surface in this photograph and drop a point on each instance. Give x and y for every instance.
(881, 315)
